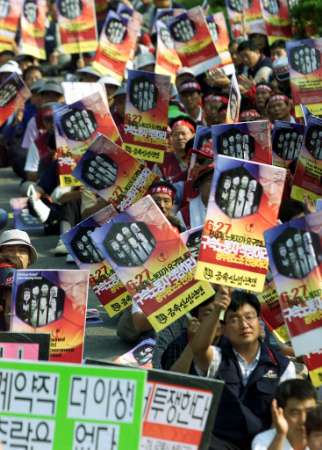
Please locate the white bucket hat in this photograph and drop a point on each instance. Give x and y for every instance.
(18, 237)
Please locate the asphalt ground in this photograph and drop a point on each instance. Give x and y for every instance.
(101, 341)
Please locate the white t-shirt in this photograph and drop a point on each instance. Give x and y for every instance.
(263, 440)
(31, 133)
(33, 159)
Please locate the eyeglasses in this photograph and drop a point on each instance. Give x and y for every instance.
(238, 320)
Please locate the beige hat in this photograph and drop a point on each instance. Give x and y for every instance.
(18, 237)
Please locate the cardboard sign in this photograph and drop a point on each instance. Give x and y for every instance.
(234, 102)
(305, 63)
(277, 19)
(103, 280)
(308, 174)
(139, 356)
(271, 311)
(22, 218)
(244, 201)
(193, 41)
(287, 140)
(33, 28)
(245, 17)
(179, 410)
(156, 267)
(51, 301)
(13, 95)
(9, 21)
(26, 346)
(314, 364)
(113, 174)
(76, 127)
(295, 257)
(77, 25)
(58, 406)
(220, 36)
(117, 44)
(75, 91)
(146, 115)
(167, 60)
(250, 141)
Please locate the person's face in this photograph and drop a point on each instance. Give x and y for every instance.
(53, 291)
(74, 286)
(205, 310)
(234, 54)
(33, 304)
(164, 202)
(242, 326)
(273, 186)
(50, 97)
(35, 291)
(19, 251)
(261, 98)
(278, 53)
(278, 110)
(249, 57)
(295, 413)
(26, 295)
(32, 76)
(211, 112)
(314, 440)
(44, 289)
(190, 99)
(180, 136)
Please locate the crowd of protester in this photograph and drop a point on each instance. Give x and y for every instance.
(268, 400)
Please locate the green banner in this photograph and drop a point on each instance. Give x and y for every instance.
(45, 406)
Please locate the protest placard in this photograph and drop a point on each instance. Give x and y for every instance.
(146, 115)
(27, 346)
(308, 173)
(113, 174)
(22, 218)
(151, 260)
(103, 280)
(116, 46)
(167, 60)
(76, 127)
(277, 19)
(77, 25)
(62, 406)
(287, 140)
(75, 91)
(193, 41)
(139, 356)
(33, 28)
(245, 17)
(244, 201)
(234, 101)
(250, 141)
(314, 364)
(9, 21)
(192, 239)
(52, 301)
(305, 65)
(220, 36)
(179, 410)
(13, 95)
(295, 257)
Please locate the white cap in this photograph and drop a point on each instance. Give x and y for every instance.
(18, 237)
(184, 70)
(11, 67)
(110, 80)
(144, 59)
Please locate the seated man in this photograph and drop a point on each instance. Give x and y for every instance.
(293, 399)
(251, 370)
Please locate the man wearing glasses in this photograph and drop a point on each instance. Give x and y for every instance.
(251, 370)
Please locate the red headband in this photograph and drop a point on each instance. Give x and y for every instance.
(162, 190)
(263, 87)
(216, 98)
(183, 123)
(278, 97)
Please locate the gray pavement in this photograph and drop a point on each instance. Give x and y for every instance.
(101, 340)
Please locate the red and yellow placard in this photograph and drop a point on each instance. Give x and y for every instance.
(167, 60)
(152, 261)
(314, 364)
(245, 17)
(277, 19)
(244, 202)
(13, 95)
(33, 28)
(146, 115)
(9, 21)
(77, 25)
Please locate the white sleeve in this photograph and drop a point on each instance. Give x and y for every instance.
(215, 362)
(289, 373)
(258, 443)
(263, 74)
(135, 308)
(31, 133)
(32, 160)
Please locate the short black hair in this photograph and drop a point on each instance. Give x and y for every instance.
(279, 43)
(248, 45)
(295, 388)
(289, 209)
(241, 298)
(31, 69)
(166, 184)
(314, 420)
